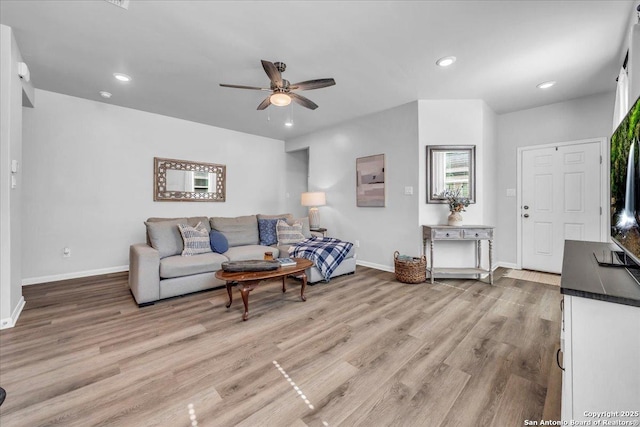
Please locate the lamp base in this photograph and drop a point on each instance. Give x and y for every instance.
(314, 218)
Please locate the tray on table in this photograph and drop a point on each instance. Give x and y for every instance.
(250, 265)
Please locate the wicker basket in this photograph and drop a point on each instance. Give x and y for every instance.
(410, 271)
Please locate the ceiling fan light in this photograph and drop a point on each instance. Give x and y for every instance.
(280, 99)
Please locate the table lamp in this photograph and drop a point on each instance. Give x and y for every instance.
(314, 199)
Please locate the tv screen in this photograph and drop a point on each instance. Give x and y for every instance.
(625, 184)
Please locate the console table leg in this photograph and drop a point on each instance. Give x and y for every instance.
(284, 288)
(478, 256)
(491, 261)
(431, 258)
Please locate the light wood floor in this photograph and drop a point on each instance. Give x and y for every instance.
(362, 350)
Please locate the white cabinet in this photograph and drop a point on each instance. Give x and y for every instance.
(600, 340)
(601, 358)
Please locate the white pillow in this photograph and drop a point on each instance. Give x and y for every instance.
(196, 239)
(289, 234)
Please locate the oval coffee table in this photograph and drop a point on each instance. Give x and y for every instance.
(249, 280)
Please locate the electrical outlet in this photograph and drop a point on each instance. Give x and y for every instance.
(66, 252)
(357, 243)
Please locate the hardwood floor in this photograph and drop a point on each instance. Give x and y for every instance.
(362, 350)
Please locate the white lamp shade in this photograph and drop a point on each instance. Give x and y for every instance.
(280, 99)
(317, 198)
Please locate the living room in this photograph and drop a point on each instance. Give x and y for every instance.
(85, 164)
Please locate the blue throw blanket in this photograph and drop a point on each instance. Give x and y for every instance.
(326, 253)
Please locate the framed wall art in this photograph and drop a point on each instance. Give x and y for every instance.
(370, 181)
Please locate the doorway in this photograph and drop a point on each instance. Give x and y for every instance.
(562, 192)
(297, 180)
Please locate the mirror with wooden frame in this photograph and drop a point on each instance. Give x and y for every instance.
(187, 181)
(452, 168)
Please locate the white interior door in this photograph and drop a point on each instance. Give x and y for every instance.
(560, 200)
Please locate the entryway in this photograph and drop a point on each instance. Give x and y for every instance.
(562, 195)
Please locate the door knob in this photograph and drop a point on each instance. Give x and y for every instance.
(526, 207)
(526, 215)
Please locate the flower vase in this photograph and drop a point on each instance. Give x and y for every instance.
(455, 218)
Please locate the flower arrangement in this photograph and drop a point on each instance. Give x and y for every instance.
(457, 203)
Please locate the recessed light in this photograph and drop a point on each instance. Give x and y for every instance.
(105, 94)
(546, 85)
(446, 61)
(122, 77)
(288, 124)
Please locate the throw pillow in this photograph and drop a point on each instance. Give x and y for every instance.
(306, 230)
(289, 234)
(218, 242)
(267, 230)
(196, 239)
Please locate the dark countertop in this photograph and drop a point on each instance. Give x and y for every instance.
(583, 277)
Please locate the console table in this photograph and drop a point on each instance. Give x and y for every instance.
(465, 233)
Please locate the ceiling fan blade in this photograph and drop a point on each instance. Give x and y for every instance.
(313, 84)
(272, 72)
(305, 102)
(264, 104)
(243, 87)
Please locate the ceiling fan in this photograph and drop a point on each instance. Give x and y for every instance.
(281, 89)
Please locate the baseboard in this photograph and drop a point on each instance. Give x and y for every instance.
(10, 322)
(75, 275)
(376, 266)
(507, 265)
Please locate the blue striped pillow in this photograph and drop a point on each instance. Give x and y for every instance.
(196, 239)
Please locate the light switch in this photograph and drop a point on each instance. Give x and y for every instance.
(511, 192)
(14, 166)
(14, 183)
(408, 191)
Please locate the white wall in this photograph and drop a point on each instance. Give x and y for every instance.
(582, 118)
(459, 122)
(13, 92)
(88, 180)
(332, 163)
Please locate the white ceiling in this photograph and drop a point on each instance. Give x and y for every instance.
(381, 53)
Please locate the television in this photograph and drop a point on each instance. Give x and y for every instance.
(625, 187)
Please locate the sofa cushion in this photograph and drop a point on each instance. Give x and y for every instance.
(203, 220)
(241, 230)
(218, 242)
(195, 239)
(267, 230)
(165, 237)
(178, 266)
(289, 234)
(286, 216)
(243, 253)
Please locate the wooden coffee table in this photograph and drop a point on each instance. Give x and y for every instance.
(249, 280)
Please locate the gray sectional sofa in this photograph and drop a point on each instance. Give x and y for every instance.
(157, 270)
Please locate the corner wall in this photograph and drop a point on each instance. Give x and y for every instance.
(332, 165)
(12, 88)
(88, 181)
(460, 122)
